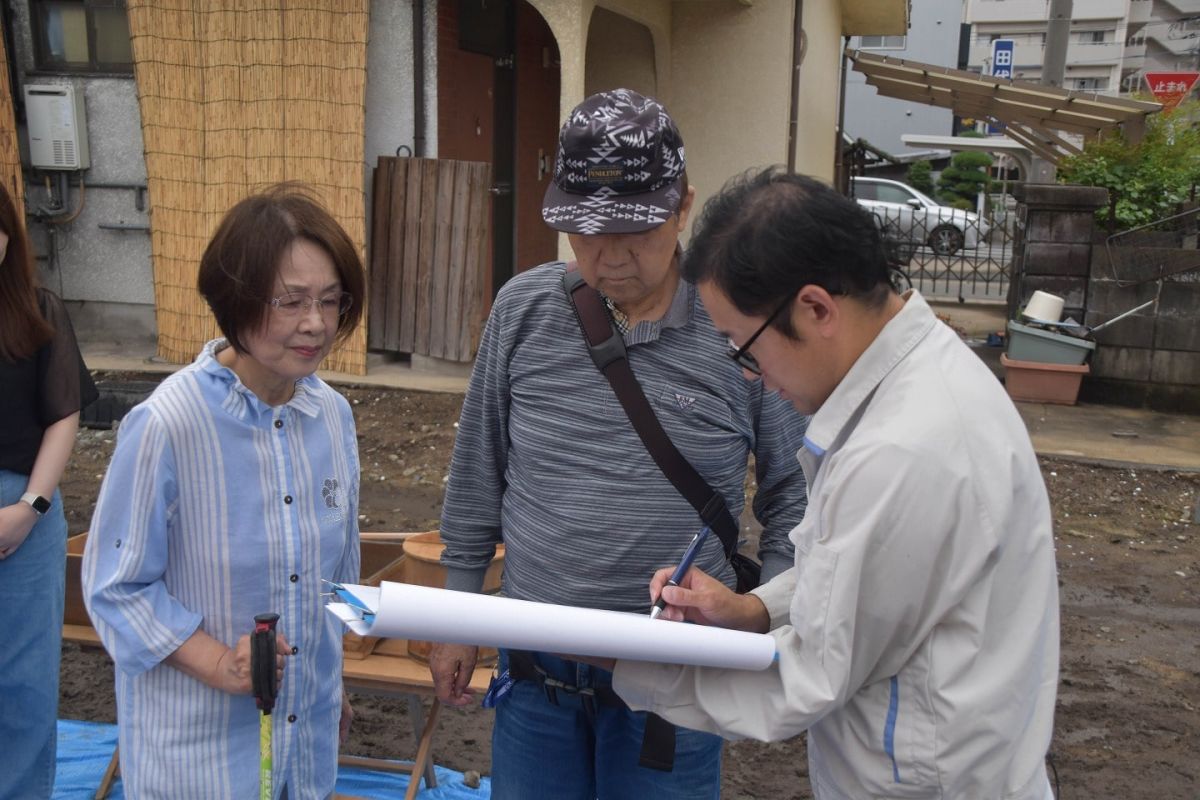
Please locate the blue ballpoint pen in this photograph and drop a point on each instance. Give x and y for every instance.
(688, 557)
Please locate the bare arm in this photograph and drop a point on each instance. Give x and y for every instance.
(57, 443)
(17, 520)
(227, 669)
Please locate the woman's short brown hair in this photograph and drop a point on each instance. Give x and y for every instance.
(241, 263)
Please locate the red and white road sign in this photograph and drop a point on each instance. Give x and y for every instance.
(1170, 88)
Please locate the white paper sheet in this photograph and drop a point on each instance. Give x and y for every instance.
(405, 611)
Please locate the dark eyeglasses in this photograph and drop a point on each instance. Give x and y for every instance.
(741, 355)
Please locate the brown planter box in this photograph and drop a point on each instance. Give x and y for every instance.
(424, 568)
(1036, 382)
(74, 611)
(416, 560)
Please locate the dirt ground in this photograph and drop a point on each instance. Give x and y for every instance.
(1129, 563)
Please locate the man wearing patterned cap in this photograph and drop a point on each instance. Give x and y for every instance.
(547, 461)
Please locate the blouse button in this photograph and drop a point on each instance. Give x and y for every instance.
(118, 543)
(294, 578)
(278, 423)
(295, 650)
(291, 717)
(287, 498)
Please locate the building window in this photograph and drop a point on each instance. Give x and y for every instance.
(1092, 37)
(883, 42)
(1091, 84)
(82, 35)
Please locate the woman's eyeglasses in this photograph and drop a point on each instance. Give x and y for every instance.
(294, 304)
(741, 355)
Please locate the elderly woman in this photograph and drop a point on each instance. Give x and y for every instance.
(233, 491)
(44, 387)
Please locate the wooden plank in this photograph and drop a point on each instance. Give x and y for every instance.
(471, 318)
(425, 260)
(411, 267)
(81, 634)
(440, 274)
(458, 239)
(381, 195)
(396, 246)
(386, 674)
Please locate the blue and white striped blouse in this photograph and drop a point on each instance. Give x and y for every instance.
(217, 507)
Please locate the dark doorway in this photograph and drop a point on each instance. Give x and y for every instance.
(498, 89)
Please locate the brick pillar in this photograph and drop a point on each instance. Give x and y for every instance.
(1052, 249)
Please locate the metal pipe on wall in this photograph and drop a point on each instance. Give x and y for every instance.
(418, 27)
(797, 58)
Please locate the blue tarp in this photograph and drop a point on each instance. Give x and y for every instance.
(84, 749)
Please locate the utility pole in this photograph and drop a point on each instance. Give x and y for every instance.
(1054, 68)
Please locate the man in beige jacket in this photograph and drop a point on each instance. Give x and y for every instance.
(918, 630)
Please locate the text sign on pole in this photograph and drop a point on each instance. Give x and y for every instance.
(1169, 88)
(1002, 67)
(1002, 58)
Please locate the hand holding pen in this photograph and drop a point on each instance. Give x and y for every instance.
(684, 565)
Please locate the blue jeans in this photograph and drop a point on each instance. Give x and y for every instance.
(32, 582)
(563, 752)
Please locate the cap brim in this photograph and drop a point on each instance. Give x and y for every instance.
(605, 212)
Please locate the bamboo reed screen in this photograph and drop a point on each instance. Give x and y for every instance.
(236, 95)
(429, 256)
(10, 152)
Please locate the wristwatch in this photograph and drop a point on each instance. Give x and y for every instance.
(40, 504)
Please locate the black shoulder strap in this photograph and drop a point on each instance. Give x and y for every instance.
(607, 349)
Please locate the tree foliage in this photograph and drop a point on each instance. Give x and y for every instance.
(920, 176)
(962, 181)
(1148, 180)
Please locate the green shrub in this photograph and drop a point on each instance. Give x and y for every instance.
(1147, 180)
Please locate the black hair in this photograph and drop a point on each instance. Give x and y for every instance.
(768, 233)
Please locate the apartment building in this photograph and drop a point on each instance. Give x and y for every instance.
(1112, 44)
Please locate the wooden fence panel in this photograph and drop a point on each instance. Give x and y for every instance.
(429, 248)
(395, 207)
(470, 325)
(382, 192)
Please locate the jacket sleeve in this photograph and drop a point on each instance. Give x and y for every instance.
(888, 559)
(470, 526)
(138, 620)
(782, 495)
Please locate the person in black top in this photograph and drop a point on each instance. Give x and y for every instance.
(44, 385)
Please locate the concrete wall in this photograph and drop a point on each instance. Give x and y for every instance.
(1151, 358)
(390, 96)
(620, 53)
(732, 81)
(90, 266)
(932, 39)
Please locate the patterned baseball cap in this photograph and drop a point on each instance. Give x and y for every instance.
(620, 160)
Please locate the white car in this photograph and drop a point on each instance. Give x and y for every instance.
(917, 216)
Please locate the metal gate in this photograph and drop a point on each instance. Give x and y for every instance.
(948, 253)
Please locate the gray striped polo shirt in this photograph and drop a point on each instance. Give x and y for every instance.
(547, 461)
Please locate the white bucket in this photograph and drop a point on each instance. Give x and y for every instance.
(1044, 307)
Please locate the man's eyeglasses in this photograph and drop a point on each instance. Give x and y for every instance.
(741, 355)
(294, 304)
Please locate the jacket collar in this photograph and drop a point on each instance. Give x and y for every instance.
(893, 344)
